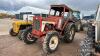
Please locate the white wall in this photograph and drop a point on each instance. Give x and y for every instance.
(29, 16)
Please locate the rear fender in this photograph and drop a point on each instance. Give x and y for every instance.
(67, 24)
(71, 24)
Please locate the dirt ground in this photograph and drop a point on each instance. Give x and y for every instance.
(5, 25)
(12, 46)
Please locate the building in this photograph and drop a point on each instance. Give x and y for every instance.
(20, 16)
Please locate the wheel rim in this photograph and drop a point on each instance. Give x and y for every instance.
(71, 33)
(29, 37)
(53, 42)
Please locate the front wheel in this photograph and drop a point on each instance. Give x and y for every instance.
(69, 33)
(20, 34)
(27, 36)
(51, 42)
(12, 33)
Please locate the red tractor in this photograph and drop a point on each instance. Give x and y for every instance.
(59, 24)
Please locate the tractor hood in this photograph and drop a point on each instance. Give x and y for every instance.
(52, 19)
(16, 24)
(22, 22)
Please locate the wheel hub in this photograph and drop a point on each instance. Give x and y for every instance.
(53, 42)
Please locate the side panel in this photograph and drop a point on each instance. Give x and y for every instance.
(97, 27)
(97, 31)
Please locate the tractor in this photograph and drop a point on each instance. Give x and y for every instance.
(58, 25)
(78, 23)
(19, 25)
(90, 46)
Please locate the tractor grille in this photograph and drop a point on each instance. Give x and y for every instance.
(36, 25)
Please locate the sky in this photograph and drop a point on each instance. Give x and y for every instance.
(85, 6)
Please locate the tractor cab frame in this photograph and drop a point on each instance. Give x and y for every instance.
(56, 21)
(61, 9)
(60, 22)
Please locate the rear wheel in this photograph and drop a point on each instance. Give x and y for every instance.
(27, 36)
(69, 33)
(51, 42)
(12, 33)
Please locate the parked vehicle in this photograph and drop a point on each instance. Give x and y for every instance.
(59, 24)
(77, 20)
(92, 43)
(87, 19)
(19, 25)
(30, 17)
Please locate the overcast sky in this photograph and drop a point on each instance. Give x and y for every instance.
(82, 5)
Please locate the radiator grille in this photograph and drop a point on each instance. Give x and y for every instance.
(36, 25)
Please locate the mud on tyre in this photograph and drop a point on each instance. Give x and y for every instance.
(20, 34)
(27, 36)
(86, 46)
(51, 42)
(69, 33)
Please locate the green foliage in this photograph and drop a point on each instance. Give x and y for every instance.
(4, 15)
